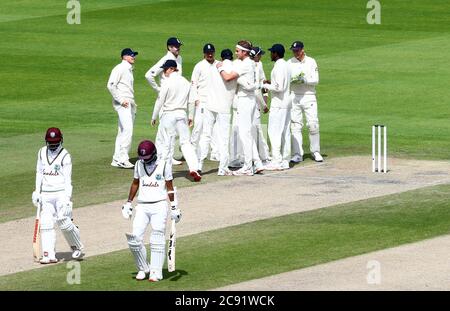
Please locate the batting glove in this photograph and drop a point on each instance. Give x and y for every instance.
(175, 213)
(127, 210)
(36, 198)
(66, 209)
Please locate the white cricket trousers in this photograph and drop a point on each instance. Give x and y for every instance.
(280, 135)
(197, 128)
(51, 210)
(261, 143)
(306, 104)
(246, 110)
(125, 131)
(173, 123)
(236, 153)
(154, 214)
(220, 121)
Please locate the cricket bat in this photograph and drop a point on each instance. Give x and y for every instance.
(171, 249)
(37, 235)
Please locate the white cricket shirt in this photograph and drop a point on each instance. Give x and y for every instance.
(280, 79)
(157, 71)
(152, 181)
(308, 67)
(120, 83)
(54, 171)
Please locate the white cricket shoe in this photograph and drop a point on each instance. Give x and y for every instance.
(258, 168)
(141, 275)
(176, 162)
(285, 165)
(155, 276)
(115, 163)
(125, 164)
(273, 167)
(77, 254)
(225, 172)
(317, 157)
(243, 172)
(297, 158)
(47, 260)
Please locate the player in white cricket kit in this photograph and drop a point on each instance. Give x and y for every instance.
(200, 80)
(172, 107)
(173, 53)
(153, 179)
(305, 77)
(217, 111)
(279, 115)
(235, 152)
(261, 103)
(120, 85)
(244, 72)
(54, 191)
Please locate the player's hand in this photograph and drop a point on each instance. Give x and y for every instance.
(125, 104)
(190, 122)
(266, 82)
(153, 122)
(219, 64)
(266, 109)
(175, 213)
(36, 198)
(66, 209)
(127, 210)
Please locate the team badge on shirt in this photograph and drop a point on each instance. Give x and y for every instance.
(158, 177)
(57, 167)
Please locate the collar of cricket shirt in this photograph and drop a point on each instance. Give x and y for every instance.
(127, 65)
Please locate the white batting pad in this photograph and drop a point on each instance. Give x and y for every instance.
(70, 232)
(139, 252)
(158, 251)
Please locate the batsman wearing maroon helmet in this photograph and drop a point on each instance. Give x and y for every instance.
(153, 179)
(54, 192)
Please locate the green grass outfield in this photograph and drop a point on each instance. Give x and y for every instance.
(54, 74)
(239, 253)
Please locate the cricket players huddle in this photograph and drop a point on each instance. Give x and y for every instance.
(218, 113)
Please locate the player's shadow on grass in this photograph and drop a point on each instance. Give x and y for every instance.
(66, 256)
(175, 275)
(169, 276)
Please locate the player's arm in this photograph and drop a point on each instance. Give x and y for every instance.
(67, 173)
(159, 103)
(113, 81)
(312, 77)
(278, 82)
(36, 196)
(175, 212)
(133, 189)
(152, 73)
(194, 84)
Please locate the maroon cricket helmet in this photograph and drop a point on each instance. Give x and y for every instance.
(53, 135)
(147, 151)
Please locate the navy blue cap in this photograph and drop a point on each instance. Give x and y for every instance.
(278, 48)
(128, 51)
(297, 45)
(169, 63)
(226, 54)
(209, 48)
(174, 41)
(255, 51)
